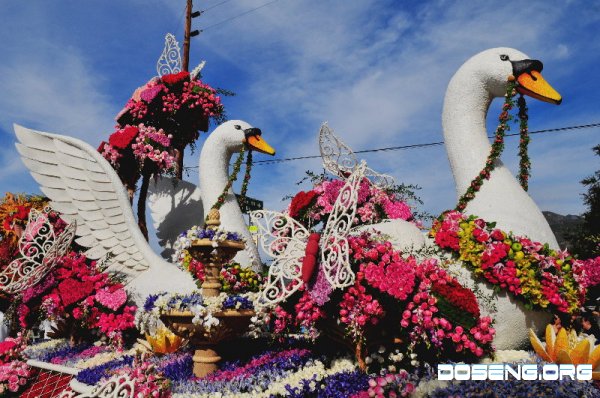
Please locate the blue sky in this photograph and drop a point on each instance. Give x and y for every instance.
(376, 70)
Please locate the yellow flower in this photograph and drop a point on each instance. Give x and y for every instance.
(567, 348)
(164, 341)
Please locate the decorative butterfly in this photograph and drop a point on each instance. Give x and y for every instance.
(288, 242)
(340, 160)
(39, 249)
(170, 60)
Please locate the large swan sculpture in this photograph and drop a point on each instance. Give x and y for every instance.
(468, 98)
(501, 199)
(84, 187)
(172, 201)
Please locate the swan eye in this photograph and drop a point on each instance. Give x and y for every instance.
(504, 57)
(238, 127)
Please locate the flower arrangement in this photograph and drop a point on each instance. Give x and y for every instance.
(291, 372)
(14, 376)
(157, 123)
(236, 279)
(196, 268)
(374, 204)
(80, 298)
(147, 380)
(429, 314)
(14, 372)
(175, 102)
(14, 213)
(541, 277)
(144, 143)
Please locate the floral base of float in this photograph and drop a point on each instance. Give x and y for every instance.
(231, 323)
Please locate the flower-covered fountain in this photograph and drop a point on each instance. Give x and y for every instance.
(230, 322)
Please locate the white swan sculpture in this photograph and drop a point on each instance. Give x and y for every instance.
(84, 187)
(501, 199)
(172, 201)
(468, 97)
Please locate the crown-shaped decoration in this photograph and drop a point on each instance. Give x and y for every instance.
(39, 250)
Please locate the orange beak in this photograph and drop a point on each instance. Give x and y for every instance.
(258, 144)
(534, 85)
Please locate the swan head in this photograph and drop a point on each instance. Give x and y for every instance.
(495, 66)
(236, 133)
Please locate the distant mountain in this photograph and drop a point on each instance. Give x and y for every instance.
(562, 226)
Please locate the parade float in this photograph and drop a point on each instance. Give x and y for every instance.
(357, 299)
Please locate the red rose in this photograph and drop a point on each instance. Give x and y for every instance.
(301, 201)
(101, 146)
(122, 138)
(175, 78)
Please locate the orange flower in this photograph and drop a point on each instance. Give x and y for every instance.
(567, 347)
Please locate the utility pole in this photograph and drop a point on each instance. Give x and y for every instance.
(186, 36)
(185, 63)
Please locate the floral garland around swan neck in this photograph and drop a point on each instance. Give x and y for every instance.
(233, 177)
(498, 145)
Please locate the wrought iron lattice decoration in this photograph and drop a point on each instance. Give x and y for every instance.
(284, 239)
(118, 386)
(39, 250)
(340, 160)
(170, 59)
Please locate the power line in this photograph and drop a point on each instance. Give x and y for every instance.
(238, 16)
(216, 5)
(413, 146)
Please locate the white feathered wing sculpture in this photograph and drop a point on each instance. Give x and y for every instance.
(84, 187)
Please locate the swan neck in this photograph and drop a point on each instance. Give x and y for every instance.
(464, 123)
(214, 170)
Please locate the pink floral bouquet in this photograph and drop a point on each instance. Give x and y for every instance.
(79, 295)
(374, 204)
(417, 305)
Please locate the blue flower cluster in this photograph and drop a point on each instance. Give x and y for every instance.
(177, 367)
(259, 378)
(33, 352)
(150, 300)
(339, 385)
(93, 375)
(62, 352)
(231, 302)
(210, 234)
(185, 302)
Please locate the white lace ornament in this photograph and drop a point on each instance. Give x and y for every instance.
(118, 386)
(170, 59)
(284, 239)
(39, 250)
(340, 160)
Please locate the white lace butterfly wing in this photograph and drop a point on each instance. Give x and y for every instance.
(170, 59)
(39, 250)
(335, 249)
(284, 239)
(340, 160)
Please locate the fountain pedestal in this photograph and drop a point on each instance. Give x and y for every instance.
(232, 323)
